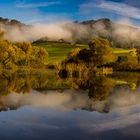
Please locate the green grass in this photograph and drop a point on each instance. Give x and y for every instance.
(119, 51)
(57, 51)
(120, 82)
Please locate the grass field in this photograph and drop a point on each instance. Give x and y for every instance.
(120, 51)
(58, 51)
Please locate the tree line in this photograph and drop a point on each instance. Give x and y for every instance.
(100, 55)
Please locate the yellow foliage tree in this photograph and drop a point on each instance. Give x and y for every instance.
(101, 51)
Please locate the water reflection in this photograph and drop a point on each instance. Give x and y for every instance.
(47, 89)
(91, 107)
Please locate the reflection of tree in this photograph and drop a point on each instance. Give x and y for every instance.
(132, 79)
(24, 85)
(21, 83)
(100, 88)
(97, 87)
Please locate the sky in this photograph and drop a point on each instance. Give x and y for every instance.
(40, 11)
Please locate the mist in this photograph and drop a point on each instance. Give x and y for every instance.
(127, 33)
(122, 31)
(51, 31)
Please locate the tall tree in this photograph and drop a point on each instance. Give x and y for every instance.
(101, 51)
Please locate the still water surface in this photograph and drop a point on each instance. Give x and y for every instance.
(43, 106)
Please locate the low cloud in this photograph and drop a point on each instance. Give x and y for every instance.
(122, 32)
(127, 33)
(53, 31)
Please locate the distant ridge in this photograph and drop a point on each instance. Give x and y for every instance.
(13, 22)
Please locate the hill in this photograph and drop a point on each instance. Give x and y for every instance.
(12, 22)
(119, 35)
(13, 30)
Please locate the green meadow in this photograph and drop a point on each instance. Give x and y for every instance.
(58, 51)
(121, 51)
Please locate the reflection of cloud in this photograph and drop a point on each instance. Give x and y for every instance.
(52, 99)
(124, 106)
(122, 100)
(124, 110)
(110, 123)
(68, 100)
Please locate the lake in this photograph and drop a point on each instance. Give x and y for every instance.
(41, 105)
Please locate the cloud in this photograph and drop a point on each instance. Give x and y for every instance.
(30, 15)
(135, 3)
(65, 29)
(115, 7)
(53, 31)
(122, 9)
(37, 5)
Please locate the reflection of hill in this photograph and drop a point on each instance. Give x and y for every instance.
(25, 81)
(101, 93)
(120, 99)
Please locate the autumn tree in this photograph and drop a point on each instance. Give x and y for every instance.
(98, 54)
(1, 34)
(21, 54)
(101, 51)
(40, 55)
(73, 52)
